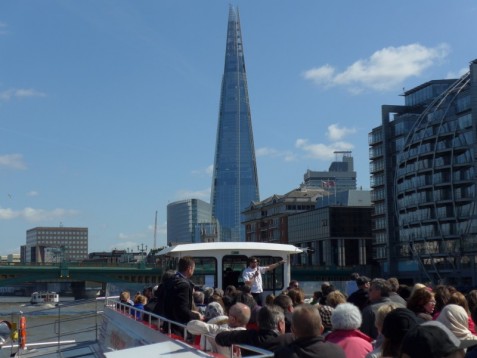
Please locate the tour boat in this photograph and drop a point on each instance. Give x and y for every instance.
(44, 297)
(218, 264)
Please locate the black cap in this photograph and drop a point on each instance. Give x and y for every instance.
(361, 280)
(397, 323)
(432, 339)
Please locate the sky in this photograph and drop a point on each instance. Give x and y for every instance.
(109, 109)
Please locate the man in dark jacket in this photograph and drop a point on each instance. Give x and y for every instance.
(178, 293)
(359, 298)
(309, 343)
(270, 334)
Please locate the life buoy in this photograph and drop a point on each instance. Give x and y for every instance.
(23, 332)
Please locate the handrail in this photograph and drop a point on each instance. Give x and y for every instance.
(115, 304)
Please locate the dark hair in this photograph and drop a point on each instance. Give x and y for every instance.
(442, 296)
(250, 259)
(184, 263)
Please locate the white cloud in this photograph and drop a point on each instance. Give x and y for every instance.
(20, 93)
(204, 171)
(457, 74)
(336, 133)
(3, 28)
(33, 193)
(13, 161)
(383, 70)
(189, 194)
(320, 150)
(33, 215)
(275, 153)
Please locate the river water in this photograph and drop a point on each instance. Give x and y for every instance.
(70, 320)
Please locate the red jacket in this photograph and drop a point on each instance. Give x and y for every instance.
(355, 343)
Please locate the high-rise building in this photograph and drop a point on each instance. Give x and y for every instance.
(56, 244)
(235, 179)
(183, 217)
(340, 176)
(423, 170)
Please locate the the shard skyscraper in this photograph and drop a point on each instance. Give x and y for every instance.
(235, 179)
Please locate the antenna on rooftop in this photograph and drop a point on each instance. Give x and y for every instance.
(155, 232)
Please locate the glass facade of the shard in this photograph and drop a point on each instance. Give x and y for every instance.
(235, 180)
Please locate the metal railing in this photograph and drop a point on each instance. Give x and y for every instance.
(165, 326)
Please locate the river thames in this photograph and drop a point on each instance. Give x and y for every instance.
(70, 320)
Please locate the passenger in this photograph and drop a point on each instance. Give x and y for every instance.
(125, 299)
(432, 339)
(422, 303)
(378, 295)
(307, 329)
(270, 335)
(286, 303)
(247, 299)
(178, 294)
(393, 295)
(293, 284)
(333, 299)
(252, 276)
(297, 295)
(381, 314)
(139, 302)
(346, 320)
(239, 314)
(199, 299)
(326, 288)
(316, 298)
(458, 298)
(404, 291)
(442, 296)
(269, 299)
(230, 290)
(395, 326)
(213, 310)
(161, 292)
(360, 297)
(456, 319)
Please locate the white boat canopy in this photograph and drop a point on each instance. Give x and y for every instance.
(231, 248)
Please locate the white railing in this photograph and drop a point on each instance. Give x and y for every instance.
(158, 323)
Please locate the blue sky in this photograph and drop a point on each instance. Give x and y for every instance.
(108, 109)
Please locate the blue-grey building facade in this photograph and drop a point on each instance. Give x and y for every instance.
(183, 218)
(235, 179)
(423, 180)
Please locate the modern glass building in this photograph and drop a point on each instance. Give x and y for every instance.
(423, 179)
(235, 180)
(183, 217)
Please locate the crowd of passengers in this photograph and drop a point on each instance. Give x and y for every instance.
(373, 318)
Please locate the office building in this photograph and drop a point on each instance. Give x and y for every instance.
(183, 217)
(56, 244)
(339, 177)
(267, 220)
(333, 236)
(423, 183)
(235, 179)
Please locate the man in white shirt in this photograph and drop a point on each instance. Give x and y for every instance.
(252, 276)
